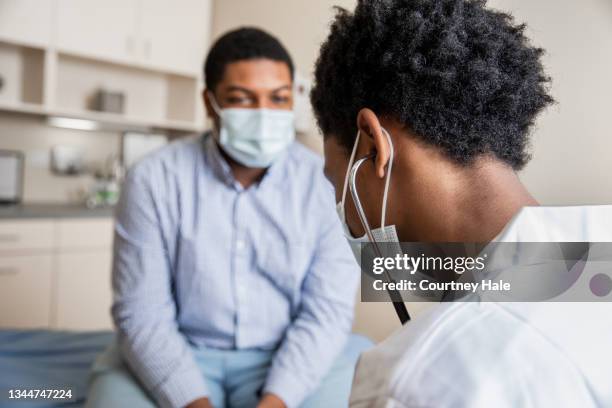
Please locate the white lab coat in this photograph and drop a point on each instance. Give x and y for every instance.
(501, 354)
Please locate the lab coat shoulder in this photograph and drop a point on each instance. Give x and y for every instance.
(560, 224)
(484, 355)
(376, 370)
(500, 354)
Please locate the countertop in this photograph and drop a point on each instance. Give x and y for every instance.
(53, 210)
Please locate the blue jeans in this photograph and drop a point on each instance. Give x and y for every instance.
(234, 378)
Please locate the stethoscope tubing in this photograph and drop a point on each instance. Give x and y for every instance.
(400, 307)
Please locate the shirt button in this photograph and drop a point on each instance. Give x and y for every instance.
(240, 244)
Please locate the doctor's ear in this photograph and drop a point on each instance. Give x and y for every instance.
(373, 137)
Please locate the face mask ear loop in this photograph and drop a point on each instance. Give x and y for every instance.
(357, 201)
(348, 168)
(217, 109)
(213, 103)
(387, 181)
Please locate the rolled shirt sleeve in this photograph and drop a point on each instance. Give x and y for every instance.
(321, 327)
(144, 310)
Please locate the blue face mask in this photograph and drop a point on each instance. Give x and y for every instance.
(254, 137)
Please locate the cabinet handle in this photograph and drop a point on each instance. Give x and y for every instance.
(8, 271)
(9, 237)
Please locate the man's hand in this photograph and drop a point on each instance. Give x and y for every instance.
(271, 401)
(200, 403)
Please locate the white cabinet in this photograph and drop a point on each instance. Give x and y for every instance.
(161, 34)
(83, 280)
(25, 290)
(26, 269)
(98, 28)
(151, 51)
(27, 235)
(56, 273)
(90, 234)
(84, 294)
(26, 21)
(174, 33)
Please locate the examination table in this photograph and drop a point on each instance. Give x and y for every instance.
(43, 359)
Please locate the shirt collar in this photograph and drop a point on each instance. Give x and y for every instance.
(215, 160)
(219, 165)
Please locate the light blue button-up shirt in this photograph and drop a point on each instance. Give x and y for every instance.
(202, 262)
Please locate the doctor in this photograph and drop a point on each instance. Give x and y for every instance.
(431, 104)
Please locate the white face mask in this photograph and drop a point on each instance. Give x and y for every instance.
(385, 233)
(254, 137)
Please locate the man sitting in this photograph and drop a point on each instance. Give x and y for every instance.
(233, 283)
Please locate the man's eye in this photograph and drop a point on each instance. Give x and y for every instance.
(280, 99)
(238, 101)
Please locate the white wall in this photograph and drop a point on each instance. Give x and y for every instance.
(300, 24)
(572, 143)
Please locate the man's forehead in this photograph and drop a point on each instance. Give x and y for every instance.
(256, 74)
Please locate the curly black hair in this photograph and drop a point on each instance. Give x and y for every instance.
(459, 75)
(245, 43)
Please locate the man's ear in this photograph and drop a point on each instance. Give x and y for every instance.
(372, 135)
(210, 112)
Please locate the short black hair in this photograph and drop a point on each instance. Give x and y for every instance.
(244, 43)
(460, 76)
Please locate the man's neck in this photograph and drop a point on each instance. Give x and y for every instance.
(246, 176)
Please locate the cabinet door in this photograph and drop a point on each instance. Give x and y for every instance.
(26, 236)
(26, 21)
(175, 34)
(98, 28)
(25, 291)
(84, 295)
(84, 234)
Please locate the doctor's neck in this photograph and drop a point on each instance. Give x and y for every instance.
(450, 202)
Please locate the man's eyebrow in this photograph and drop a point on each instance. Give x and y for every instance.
(281, 88)
(231, 88)
(239, 88)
